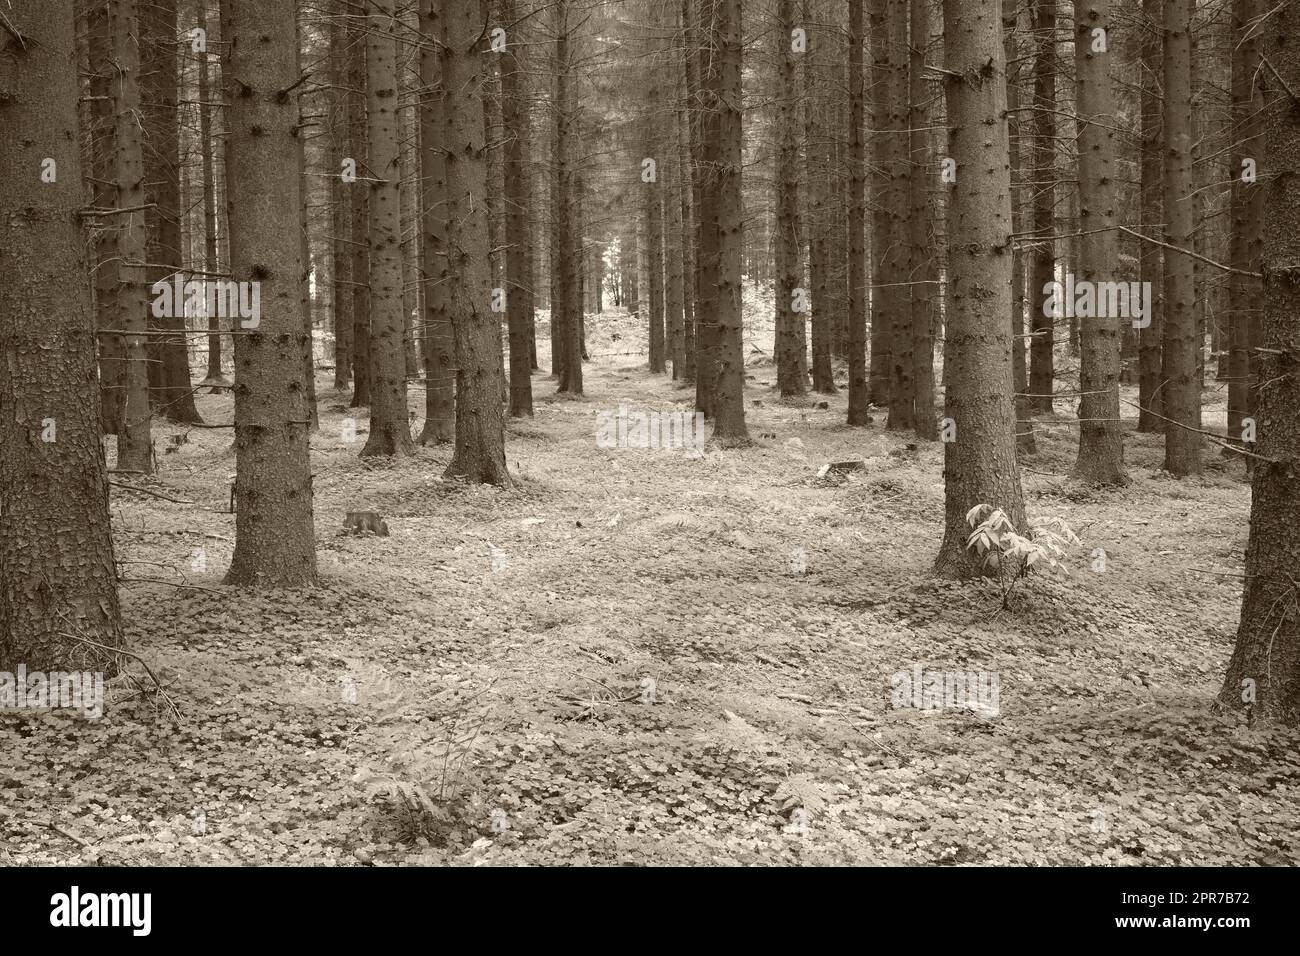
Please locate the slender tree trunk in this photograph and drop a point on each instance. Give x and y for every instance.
(214, 380)
(134, 440)
(360, 212)
(1264, 674)
(341, 194)
(58, 583)
(567, 257)
(820, 266)
(859, 395)
(1025, 443)
(1151, 257)
(790, 379)
(1043, 146)
(1101, 441)
(274, 535)
(895, 296)
(480, 373)
(980, 462)
(390, 430)
(514, 114)
(437, 342)
(1245, 294)
(1182, 393)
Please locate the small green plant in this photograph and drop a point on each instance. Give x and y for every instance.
(1008, 554)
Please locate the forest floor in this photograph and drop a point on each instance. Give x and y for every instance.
(622, 660)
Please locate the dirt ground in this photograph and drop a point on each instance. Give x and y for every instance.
(619, 661)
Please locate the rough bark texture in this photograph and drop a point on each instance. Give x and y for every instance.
(820, 265)
(979, 466)
(1181, 398)
(274, 535)
(1101, 442)
(390, 430)
(1268, 638)
(58, 584)
(890, 288)
(480, 372)
(1025, 443)
(357, 135)
(1151, 256)
(922, 270)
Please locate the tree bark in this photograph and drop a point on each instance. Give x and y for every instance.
(58, 583)
(859, 395)
(1043, 147)
(514, 115)
(980, 464)
(1151, 256)
(274, 534)
(790, 380)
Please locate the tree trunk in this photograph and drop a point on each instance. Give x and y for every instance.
(1101, 441)
(58, 583)
(1182, 387)
(1151, 257)
(214, 380)
(859, 396)
(891, 287)
(1025, 443)
(787, 232)
(1264, 674)
(514, 115)
(341, 193)
(274, 535)
(1043, 147)
(820, 214)
(1245, 294)
(438, 343)
(980, 464)
(134, 440)
(360, 215)
(480, 373)
(390, 430)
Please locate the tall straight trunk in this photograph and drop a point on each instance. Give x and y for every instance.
(341, 195)
(1245, 294)
(820, 266)
(880, 300)
(1042, 134)
(787, 232)
(722, 234)
(699, 57)
(357, 135)
(479, 454)
(519, 280)
(112, 347)
(58, 583)
(1101, 442)
(1182, 388)
(169, 364)
(685, 180)
(274, 535)
(304, 238)
(979, 466)
(1264, 674)
(390, 430)
(567, 257)
(214, 380)
(859, 396)
(134, 440)
(895, 298)
(1019, 358)
(1151, 256)
(437, 342)
(922, 270)
(652, 210)
(674, 272)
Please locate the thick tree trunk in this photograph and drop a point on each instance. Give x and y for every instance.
(922, 271)
(1181, 403)
(1101, 441)
(390, 430)
(891, 289)
(480, 373)
(859, 396)
(58, 583)
(1025, 443)
(567, 257)
(274, 534)
(1264, 675)
(980, 463)
(360, 213)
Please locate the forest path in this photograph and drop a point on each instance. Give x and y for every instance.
(514, 697)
